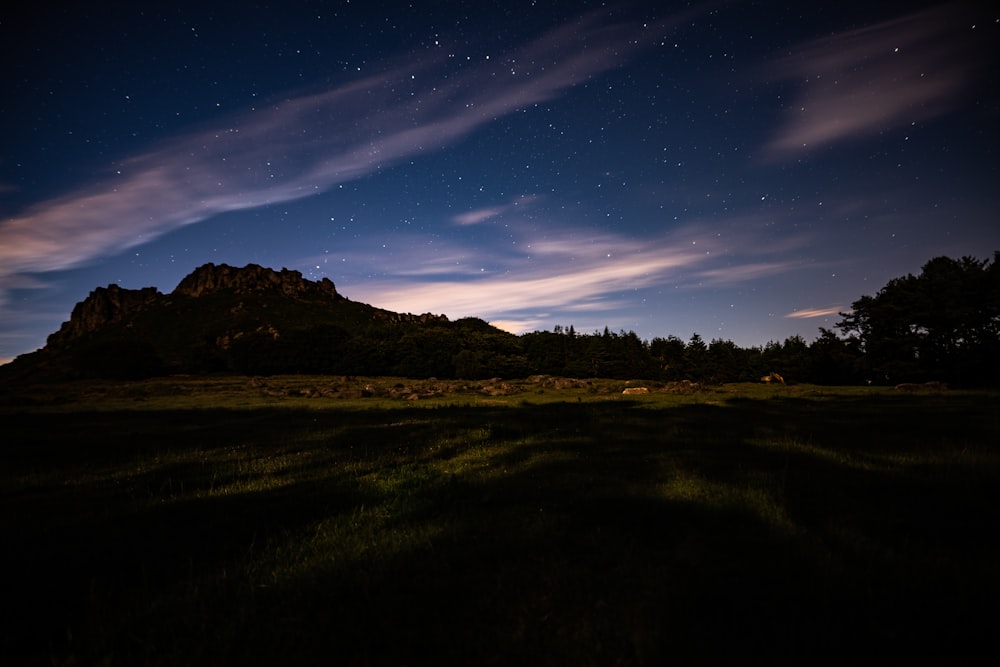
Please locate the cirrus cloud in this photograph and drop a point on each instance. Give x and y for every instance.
(863, 81)
(309, 143)
(808, 313)
(569, 270)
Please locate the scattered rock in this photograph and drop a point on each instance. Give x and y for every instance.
(495, 388)
(549, 381)
(926, 386)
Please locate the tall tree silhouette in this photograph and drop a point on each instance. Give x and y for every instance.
(943, 324)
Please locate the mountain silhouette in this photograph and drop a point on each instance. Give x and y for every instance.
(256, 320)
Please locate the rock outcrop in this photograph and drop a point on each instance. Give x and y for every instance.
(103, 306)
(250, 279)
(106, 305)
(251, 320)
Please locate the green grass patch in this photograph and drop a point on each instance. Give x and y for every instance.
(305, 520)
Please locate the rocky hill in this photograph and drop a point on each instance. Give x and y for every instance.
(108, 305)
(252, 279)
(103, 306)
(255, 320)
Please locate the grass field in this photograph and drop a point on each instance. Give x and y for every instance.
(296, 520)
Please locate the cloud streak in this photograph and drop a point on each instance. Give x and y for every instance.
(480, 215)
(809, 313)
(306, 145)
(568, 270)
(860, 82)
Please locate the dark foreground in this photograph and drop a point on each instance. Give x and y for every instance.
(158, 526)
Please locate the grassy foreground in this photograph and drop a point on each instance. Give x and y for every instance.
(287, 521)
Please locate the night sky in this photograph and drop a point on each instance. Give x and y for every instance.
(742, 170)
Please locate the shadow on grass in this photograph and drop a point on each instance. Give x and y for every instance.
(570, 533)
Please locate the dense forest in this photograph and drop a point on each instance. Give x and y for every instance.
(942, 325)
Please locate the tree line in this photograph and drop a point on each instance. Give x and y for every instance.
(941, 325)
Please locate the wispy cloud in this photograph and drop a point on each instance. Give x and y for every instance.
(569, 270)
(875, 78)
(809, 313)
(307, 144)
(480, 215)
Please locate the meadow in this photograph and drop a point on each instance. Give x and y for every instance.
(352, 521)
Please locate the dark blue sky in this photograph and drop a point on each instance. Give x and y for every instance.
(737, 169)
